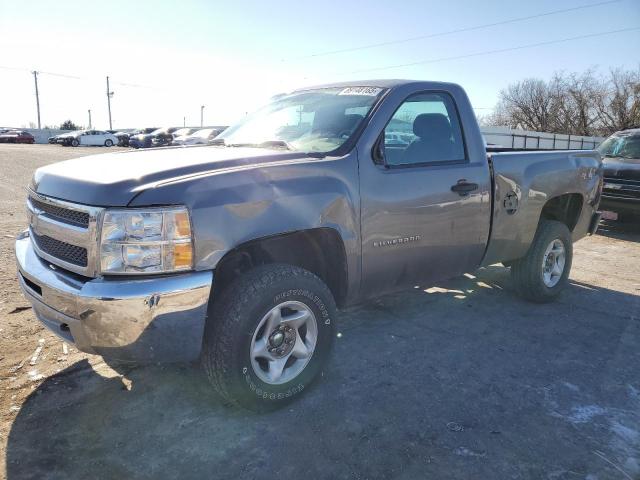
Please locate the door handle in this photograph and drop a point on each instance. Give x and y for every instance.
(463, 188)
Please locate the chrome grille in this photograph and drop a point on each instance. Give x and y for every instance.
(621, 188)
(64, 233)
(73, 217)
(64, 251)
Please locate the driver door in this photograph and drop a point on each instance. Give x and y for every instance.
(426, 210)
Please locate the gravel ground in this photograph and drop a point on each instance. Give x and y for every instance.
(463, 380)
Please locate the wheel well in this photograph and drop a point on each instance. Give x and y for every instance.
(320, 250)
(564, 208)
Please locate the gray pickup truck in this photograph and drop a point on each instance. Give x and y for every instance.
(238, 253)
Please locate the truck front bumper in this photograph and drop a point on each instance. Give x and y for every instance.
(149, 319)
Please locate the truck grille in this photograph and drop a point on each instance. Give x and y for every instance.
(65, 215)
(65, 234)
(62, 250)
(621, 188)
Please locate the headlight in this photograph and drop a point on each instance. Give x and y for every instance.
(146, 241)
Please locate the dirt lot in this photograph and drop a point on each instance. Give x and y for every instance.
(460, 381)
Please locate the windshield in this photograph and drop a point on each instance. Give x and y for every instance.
(308, 121)
(626, 146)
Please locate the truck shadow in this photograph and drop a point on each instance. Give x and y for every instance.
(462, 377)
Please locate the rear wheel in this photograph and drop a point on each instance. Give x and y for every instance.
(543, 273)
(269, 336)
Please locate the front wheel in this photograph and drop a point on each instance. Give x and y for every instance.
(269, 336)
(75, 142)
(108, 143)
(543, 273)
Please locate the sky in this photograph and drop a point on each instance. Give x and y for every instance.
(166, 59)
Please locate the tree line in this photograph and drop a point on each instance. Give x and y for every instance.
(571, 103)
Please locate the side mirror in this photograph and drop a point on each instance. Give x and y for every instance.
(378, 151)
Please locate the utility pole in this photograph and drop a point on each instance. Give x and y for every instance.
(184, 121)
(201, 116)
(35, 78)
(89, 118)
(109, 95)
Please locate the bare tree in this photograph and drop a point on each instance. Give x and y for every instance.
(619, 105)
(579, 104)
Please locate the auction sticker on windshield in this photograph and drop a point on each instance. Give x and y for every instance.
(368, 91)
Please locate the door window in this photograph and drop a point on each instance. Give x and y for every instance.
(424, 130)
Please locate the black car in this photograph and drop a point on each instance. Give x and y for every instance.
(621, 162)
(166, 137)
(123, 137)
(145, 140)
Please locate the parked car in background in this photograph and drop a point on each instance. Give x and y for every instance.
(166, 138)
(16, 136)
(392, 138)
(145, 140)
(87, 137)
(621, 162)
(199, 137)
(124, 136)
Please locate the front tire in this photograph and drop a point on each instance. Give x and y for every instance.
(269, 336)
(75, 142)
(108, 143)
(543, 273)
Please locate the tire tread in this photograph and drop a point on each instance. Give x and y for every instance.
(226, 315)
(525, 272)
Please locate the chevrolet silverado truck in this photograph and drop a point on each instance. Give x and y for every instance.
(239, 253)
(621, 170)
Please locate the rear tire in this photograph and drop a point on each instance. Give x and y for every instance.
(268, 336)
(543, 273)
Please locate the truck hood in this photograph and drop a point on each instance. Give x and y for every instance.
(623, 168)
(113, 179)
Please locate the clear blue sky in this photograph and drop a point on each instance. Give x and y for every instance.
(231, 56)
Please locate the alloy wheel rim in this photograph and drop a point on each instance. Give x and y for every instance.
(283, 342)
(553, 263)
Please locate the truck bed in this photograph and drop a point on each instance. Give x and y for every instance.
(523, 182)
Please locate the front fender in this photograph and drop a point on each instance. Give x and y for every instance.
(230, 208)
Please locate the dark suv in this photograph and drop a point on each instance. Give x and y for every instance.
(621, 162)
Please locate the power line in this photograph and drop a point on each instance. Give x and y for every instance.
(489, 52)
(450, 32)
(73, 77)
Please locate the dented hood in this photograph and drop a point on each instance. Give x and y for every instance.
(113, 179)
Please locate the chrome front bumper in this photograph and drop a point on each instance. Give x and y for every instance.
(153, 319)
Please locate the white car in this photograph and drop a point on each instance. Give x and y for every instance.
(88, 137)
(201, 137)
